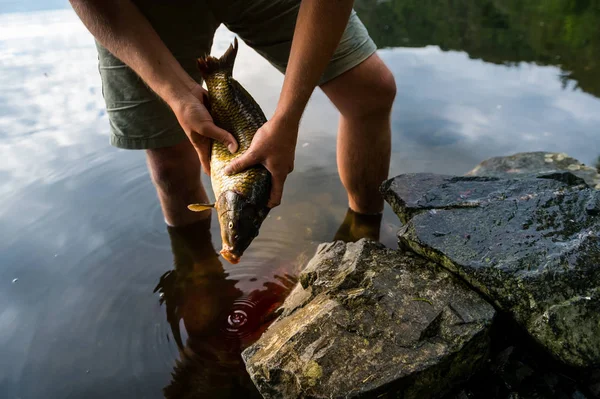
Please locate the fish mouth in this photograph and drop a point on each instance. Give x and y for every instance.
(230, 256)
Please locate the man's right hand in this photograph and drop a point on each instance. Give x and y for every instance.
(120, 27)
(196, 121)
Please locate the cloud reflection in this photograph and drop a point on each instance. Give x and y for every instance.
(72, 205)
(484, 110)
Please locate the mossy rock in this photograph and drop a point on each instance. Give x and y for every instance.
(367, 321)
(530, 245)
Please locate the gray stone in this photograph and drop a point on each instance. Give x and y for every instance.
(526, 163)
(530, 245)
(365, 321)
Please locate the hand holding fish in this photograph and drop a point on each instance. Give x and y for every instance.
(199, 126)
(273, 146)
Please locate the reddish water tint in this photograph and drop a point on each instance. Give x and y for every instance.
(212, 319)
(83, 242)
(219, 323)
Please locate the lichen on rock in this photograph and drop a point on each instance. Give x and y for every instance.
(527, 163)
(369, 320)
(531, 245)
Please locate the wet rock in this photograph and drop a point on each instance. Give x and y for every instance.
(530, 245)
(527, 163)
(518, 368)
(366, 320)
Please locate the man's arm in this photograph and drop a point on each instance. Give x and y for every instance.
(121, 28)
(319, 28)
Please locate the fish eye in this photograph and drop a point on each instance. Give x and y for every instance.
(230, 225)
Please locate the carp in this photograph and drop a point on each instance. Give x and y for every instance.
(241, 199)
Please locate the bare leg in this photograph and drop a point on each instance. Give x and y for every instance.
(175, 172)
(364, 97)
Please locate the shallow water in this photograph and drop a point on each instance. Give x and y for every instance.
(83, 243)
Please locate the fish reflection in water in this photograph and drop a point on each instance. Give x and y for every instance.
(220, 320)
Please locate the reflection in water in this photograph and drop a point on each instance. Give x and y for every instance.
(84, 240)
(564, 33)
(357, 226)
(219, 319)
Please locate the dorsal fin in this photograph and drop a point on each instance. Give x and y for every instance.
(209, 64)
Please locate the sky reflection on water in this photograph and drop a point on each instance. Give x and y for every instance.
(82, 231)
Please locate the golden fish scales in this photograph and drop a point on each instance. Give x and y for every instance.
(234, 110)
(241, 199)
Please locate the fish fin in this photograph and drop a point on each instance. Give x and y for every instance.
(209, 64)
(200, 207)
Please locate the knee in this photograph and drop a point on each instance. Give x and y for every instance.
(173, 172)
(383, 93)
(367, 92)
(167, 177)
(376, 99)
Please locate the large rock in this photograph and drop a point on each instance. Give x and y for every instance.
(530, 245)
(368, 320)
(526, 163)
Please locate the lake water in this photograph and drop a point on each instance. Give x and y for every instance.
(83, 243)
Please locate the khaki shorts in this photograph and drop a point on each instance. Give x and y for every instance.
(140, 120)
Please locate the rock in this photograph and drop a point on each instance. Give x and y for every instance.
(526, 163)
(518, 369)
(366, 320)
(530, 245)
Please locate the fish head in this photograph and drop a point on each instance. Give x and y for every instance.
(240, 220)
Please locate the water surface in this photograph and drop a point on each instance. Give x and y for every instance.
(83, 244)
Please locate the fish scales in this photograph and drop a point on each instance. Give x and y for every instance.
(233, 110)
(241, 199)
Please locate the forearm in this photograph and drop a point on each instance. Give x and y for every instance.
(121, 28)
(319, 28)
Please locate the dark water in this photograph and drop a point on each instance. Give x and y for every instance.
(93, 286)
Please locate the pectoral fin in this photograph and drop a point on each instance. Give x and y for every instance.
(200, 207)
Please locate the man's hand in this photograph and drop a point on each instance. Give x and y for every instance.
(120, 27)
(319, 28)
(274, 146)
(197, 123)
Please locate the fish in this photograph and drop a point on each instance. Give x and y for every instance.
(241, 198)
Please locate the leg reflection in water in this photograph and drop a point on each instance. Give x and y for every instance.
(219, 319)
(357, 225)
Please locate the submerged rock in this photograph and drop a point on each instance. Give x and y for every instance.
(519, 368)
(366, 320)
(526, 163)
(530, 245)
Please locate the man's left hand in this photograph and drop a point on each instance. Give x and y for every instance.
(274, 146)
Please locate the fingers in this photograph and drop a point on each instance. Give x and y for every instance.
(214, 132)
(202, 146)
(278, 181)
(204, 155)
(241, 163)
(197, 121)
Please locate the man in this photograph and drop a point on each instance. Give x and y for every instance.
(155, 101)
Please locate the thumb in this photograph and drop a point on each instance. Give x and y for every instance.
(276, 190)
(241, 163)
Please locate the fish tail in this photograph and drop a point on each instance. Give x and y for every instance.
(209, 64)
